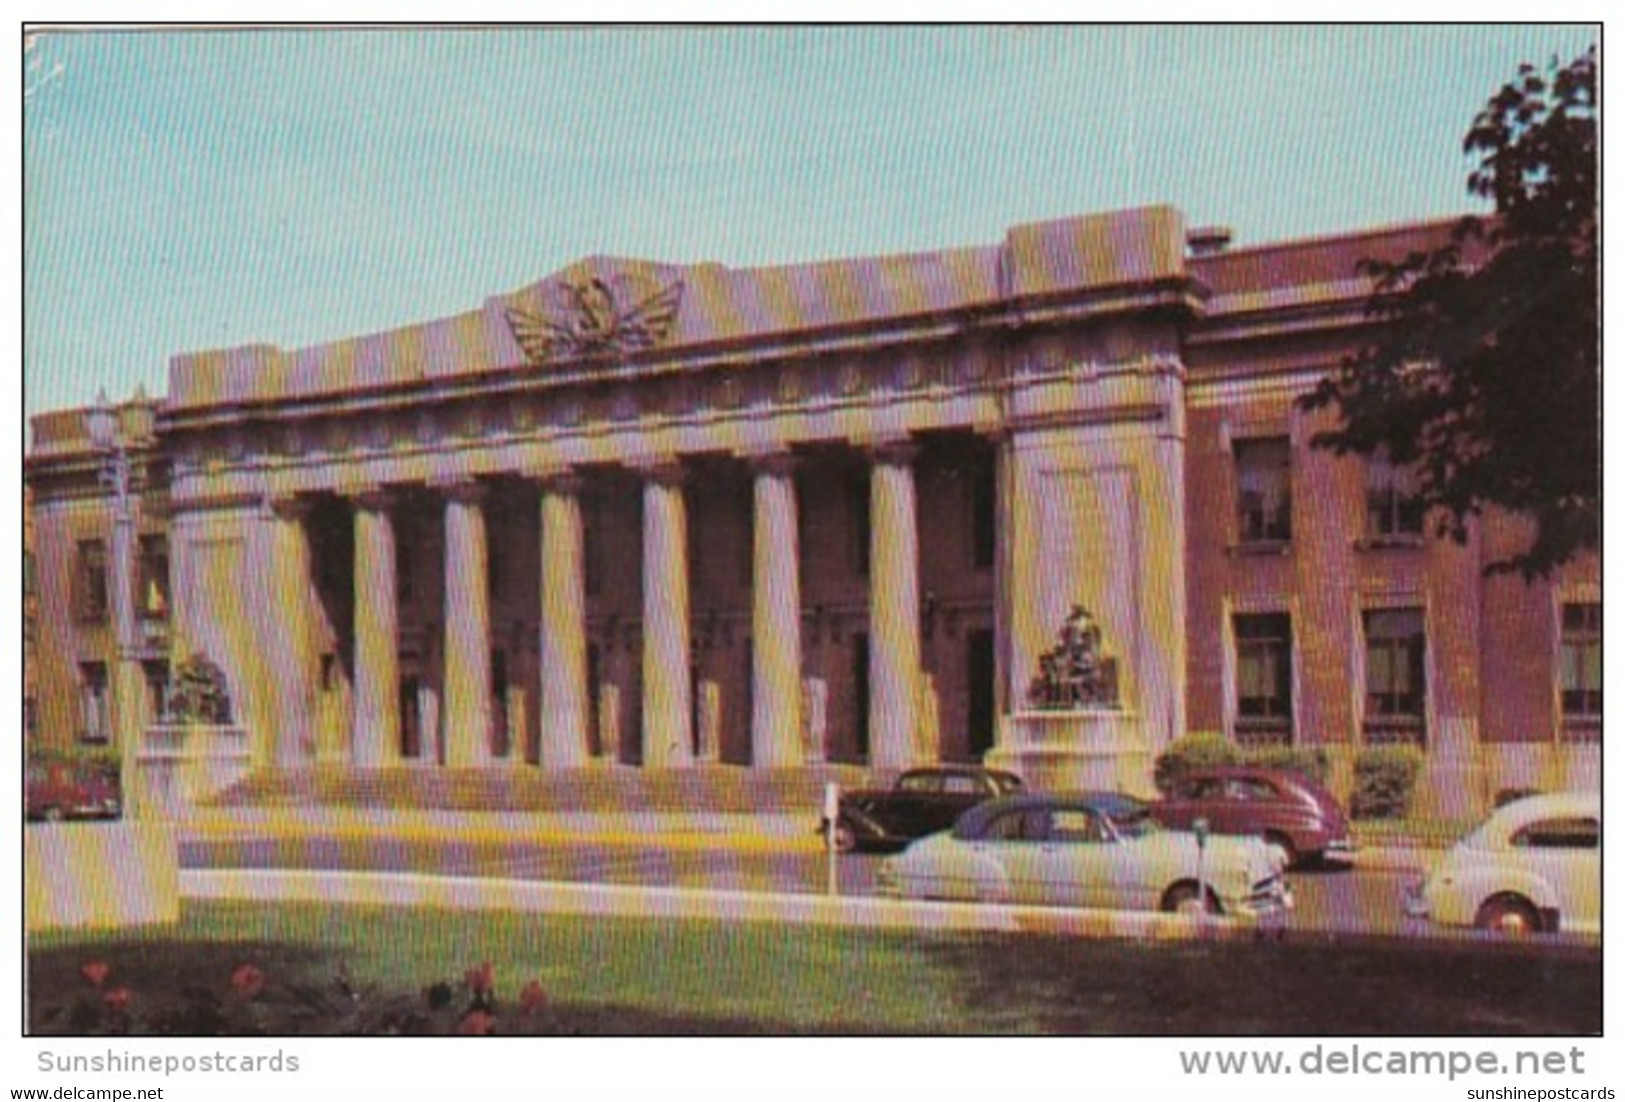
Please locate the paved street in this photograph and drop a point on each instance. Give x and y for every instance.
(1357, 900)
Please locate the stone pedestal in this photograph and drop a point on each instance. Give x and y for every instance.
(1079, 750)
(182, 765)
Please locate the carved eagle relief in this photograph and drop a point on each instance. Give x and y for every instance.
(597, 319)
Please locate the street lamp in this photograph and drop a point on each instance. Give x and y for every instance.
(107, 437)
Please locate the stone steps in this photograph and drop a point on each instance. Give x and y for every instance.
(706, 788)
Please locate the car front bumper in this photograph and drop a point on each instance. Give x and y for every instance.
(1339, 849)
(1268, 904)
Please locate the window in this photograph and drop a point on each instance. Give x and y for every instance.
(156, 676)
(1263, 677)
(90, 596)
(1076, 825)
(1249, 790)
(1395, 675)
(1580, 664)
(1576, 832)
(1264, 490)
(153, 596)
(1031, 825)
(1392, 507)
(93, 718)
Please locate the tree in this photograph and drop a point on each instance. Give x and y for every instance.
(1484, 373)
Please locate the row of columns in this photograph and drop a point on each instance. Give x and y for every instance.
(667, 690)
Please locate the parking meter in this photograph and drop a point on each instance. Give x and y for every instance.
(832, 816)
(1200, 829)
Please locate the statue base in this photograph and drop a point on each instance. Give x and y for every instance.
(1076, 750)
(182, 765)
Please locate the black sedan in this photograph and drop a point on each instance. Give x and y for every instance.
(922, 801)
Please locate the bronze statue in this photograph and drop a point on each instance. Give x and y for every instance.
(1074, 673)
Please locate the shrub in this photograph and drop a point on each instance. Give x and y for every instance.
(1311, 761)
(1197, 750)
(1384, 781)
(80, 760)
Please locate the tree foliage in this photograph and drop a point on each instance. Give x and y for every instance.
(1484, 372)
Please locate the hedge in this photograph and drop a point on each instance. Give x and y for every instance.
(1209, 749)
(1384, 781)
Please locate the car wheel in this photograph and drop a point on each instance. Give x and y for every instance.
(1508, 914)
(1281, 846)
(846, 839)
(1182, 899)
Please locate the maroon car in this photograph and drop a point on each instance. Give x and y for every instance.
(1288, 810)
(54, 791)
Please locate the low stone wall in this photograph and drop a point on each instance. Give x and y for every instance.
(100, 875)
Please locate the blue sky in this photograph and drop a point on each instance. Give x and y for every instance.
(195, 190)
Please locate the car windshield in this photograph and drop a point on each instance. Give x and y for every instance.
(1136, 824)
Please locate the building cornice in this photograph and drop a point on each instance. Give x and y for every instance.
(997, 320)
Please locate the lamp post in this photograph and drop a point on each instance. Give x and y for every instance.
(107, 437)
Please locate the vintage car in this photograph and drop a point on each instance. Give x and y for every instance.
(1100, 850)
(920, 802)
(1286, 809)
(59, 791)
(1533, 866)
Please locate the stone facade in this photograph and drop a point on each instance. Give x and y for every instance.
(665, 515)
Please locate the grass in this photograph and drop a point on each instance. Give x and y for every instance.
(631, 976)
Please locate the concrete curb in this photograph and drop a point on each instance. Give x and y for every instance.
(547, 897)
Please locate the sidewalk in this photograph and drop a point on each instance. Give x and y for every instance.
(765, 833)
(552, 897)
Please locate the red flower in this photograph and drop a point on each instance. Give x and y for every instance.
(532, 998)
(247, 981)
(477, 1023)
(481, 979)
(94, 971)
(117, 1000)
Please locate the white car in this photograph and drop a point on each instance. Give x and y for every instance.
(1534, 866)
(1087, 850)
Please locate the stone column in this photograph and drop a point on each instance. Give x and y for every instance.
(377, 724)
(667, 694)
(467, 728)
(894, 608)
(565, 709)
(291, 665)
(775, 725)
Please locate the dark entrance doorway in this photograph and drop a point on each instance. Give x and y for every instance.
(979, 692)
(411, 729)
(860, 695)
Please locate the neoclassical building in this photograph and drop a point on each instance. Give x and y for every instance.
(665, 514)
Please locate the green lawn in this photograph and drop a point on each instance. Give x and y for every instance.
(628, 975)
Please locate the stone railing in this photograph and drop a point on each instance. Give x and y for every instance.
(180, 765)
